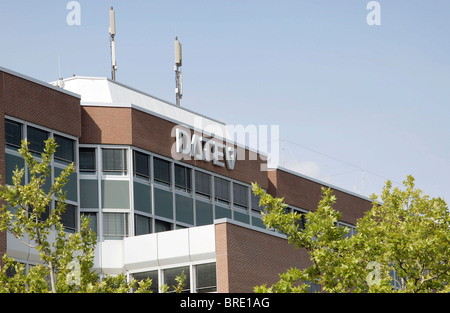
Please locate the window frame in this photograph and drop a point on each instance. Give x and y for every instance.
(217, 192)
(86, 170)
(137, 173)
(187, 179)
(237, 194)
(57, 155)
(122, 169)
(200, 178)
(156, 171)
(21, 130)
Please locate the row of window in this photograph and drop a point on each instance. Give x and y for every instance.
(114, 161)
(15, 132)
(201, 278)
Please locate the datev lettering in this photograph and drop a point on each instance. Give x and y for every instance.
(200, 148)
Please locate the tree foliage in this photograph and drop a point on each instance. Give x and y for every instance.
(66, 259)
(401, 244)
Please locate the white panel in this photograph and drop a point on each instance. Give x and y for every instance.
(202, 243)
(173, 246)
(15, 248)
(112, 256)
(141, 251)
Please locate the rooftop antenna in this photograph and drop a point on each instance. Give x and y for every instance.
(178, 78)
(112, 32)
(60, 80)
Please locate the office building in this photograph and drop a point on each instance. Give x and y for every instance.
(164, 192)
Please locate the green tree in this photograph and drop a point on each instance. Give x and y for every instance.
(401, 244)
(66, 258)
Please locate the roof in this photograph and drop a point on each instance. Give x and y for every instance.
(102, 91)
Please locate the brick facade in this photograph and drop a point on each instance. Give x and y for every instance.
(247, 258)
(305, 194)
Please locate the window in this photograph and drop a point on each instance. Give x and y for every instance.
(240, 195)
(222, 190)
(171, 274)
(43, 216)
(203, 183)
(161, 226)
(115, 225)
(92, 216)
(13, 134)
(161, 169)
(36, 138)
(87, 160)
(141, 165)
(206, 278)
(65, 150)
(301, 223)
(114, 161)
(142, 225)
(255, 203)
(182, 178)
(153, 275)
(68, 218)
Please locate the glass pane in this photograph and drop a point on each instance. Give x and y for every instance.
(240, 195)
(89, 193)
(68, 218)
(203, 213)
(162, 171)
(163, 203)
(184, 209)
(92, 220)
(36, 137)
(142, 197)
(153, 275)
(172, 273)
(115, 225)
(203, 183)
(11, 162)
(87, 160)
(255, 202)
(222, 189)
(115, 194)
(114, 160)
(182, 177)
(141, 167)
(161, 226)
(206, 277)
(65, 149)
(13, 133)
(142, 225)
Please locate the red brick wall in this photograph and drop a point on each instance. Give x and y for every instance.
(41, 105)
(247, 258)
(106, 125)
(306, 194)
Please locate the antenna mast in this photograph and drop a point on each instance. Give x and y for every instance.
(178, 78)
(112, 32)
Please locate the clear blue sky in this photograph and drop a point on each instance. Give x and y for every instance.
(346, 95)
